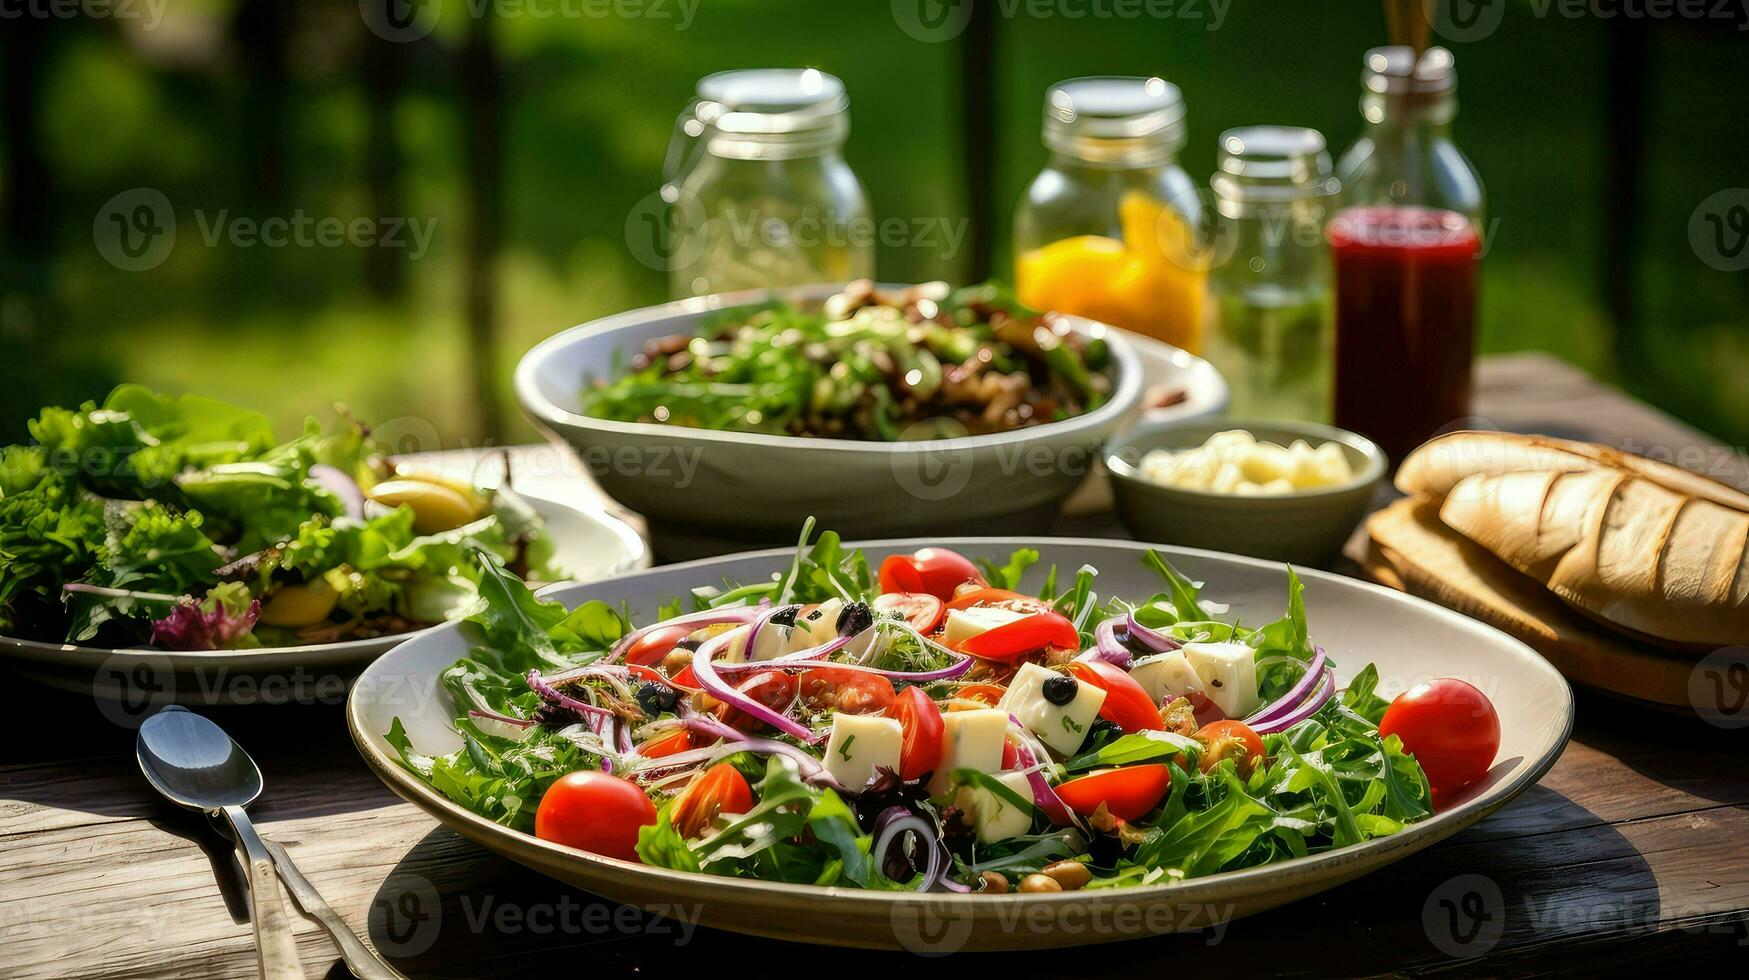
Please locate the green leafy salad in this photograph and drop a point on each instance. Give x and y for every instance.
(922, 363)
(924, 725)
(183, 523)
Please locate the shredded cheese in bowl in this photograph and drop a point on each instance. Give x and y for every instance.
(1235, 462)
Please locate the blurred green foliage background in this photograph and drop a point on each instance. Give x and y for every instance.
(266, 109)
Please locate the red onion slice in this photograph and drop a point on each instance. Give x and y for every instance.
(1151, 638)
(696, 620)
(336, 482)
(890, 830)
(1043, 796)
(552, 695)
(716, 687)
(1287, 702)
(1326, 690)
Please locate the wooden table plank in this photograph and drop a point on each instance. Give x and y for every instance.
(1627, 854)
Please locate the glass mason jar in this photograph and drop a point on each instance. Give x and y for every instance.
(1269, 331)
(1111, 228)
(758, 191)
(1406, 250)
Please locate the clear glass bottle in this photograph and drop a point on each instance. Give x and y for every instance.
(1269, 332)
(1111, 228)
(1406, 249)
(758, 190)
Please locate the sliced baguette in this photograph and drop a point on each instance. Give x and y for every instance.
(1633, 553)
(1410, 549)
(1434, 469)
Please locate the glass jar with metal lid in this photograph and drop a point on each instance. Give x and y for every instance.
(1111, 228)
(757, 191)
(1270, 316)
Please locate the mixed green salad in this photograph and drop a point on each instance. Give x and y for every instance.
(931, 726)
(921, 363)
(183, 523)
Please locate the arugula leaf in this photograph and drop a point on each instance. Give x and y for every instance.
(1008, 576)
(1183, 591)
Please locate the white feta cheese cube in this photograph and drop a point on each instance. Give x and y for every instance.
(970, 740)
(1228, 672)
(963, 624)
(821, 623)
(1063, 727)
(859, 744)
(995, 818)
(1166, 676)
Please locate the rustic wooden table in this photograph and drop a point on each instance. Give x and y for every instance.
(1629, 855)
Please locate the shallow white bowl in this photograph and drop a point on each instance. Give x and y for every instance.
(704, 490)
(1410, 640)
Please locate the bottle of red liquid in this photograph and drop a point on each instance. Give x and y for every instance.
(1406, 247)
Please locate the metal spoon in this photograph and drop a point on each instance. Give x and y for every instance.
(194, 764)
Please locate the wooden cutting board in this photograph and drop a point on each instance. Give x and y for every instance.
(1406, 547)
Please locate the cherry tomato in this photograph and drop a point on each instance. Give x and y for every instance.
(936, 571)
(1000, 598)
(656, 644)
(1011, 641)
(1010, 753)
(1127, 704)
(1224, 739)
(772, 688)
(669, 744)
(853, 692)
(722, 789)
(652, 674)
(686, 680)
(1449, 727)
(920, 719)
(1207, 712)
(922, 610)
(1127, 793)
(595, 812)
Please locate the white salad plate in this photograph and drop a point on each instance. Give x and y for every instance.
(1408, 639)
(589, 545)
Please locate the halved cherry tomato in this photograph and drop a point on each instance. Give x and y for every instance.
(1013, 640)
(670, 744)
(989, 694)
(920, 719)
(1127, 704)
(1127, 793)
(772, 688)
(936, 571)
(1010, 754)
(686, 680)
(722, 789)
(1207, 712)
(656, 644)
(1001, 598)
(596, 812)
(1450, 727)
(1224, 739)
(853, 692)
(652, 674)
(922, 610)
